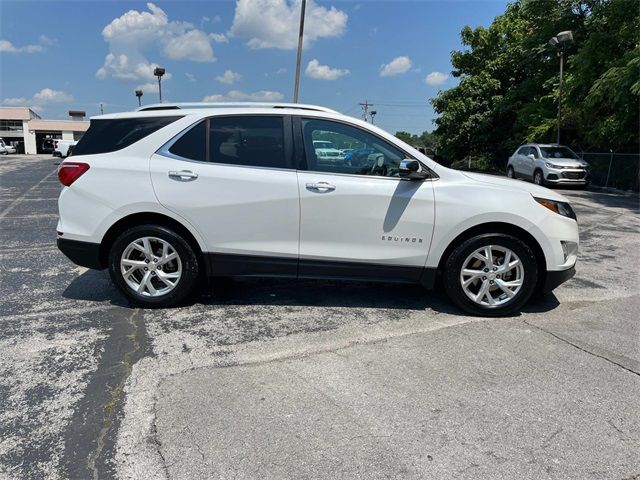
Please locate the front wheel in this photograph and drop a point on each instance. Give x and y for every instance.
(511, 173)
(538, 178)
(491, 275)
(153, 266)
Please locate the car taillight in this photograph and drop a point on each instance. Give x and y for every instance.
(69, 172)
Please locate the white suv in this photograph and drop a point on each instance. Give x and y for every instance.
(171, 194)
(547, 164)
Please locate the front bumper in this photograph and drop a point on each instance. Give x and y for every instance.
(567, 176)
(85, 254)
(556, 278)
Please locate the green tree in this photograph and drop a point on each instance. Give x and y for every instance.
(507, 93)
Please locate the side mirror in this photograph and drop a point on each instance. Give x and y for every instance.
(531, 156)
(410, 170)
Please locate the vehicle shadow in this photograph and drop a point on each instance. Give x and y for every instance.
(95, 286)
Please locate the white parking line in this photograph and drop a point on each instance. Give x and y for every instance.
(13, 204)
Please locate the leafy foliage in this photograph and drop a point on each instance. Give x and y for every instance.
(508, 88)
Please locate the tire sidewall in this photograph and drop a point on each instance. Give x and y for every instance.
(189, 259)
(511, 173)
(535, 174)
(453, 266)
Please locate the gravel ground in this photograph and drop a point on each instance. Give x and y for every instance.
(312, 379)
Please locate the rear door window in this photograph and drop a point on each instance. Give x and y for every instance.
(111, 135)
(193, 144)
(256, 141)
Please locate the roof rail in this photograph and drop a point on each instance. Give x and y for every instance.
(195, 105)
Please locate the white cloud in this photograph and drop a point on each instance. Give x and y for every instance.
(193, 45)
(397, 66)
(43, 97)
(14, 101)
(239, 96)
(135, 33)
(229, 77)
(280, 71)
(7, 47)
(47, 95)
(435, 79)
(323, 72)
(274, 23)
(150, 87)
(190, 76)
(219, 37)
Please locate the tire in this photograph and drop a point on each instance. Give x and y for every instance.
(182, 269)
(511, 172)
(462, 257)
(538, 178)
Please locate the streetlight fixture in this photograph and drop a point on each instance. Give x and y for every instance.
(139, 95)
(559, 41)
(159, 72)
(373, 115)
(300, 35)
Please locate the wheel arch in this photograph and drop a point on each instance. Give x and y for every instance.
(143, 218)
(507, 229)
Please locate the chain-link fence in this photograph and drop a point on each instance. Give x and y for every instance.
(615, 170)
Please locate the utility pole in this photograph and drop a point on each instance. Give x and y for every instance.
(101, 109)
(300, 36)
(365, 109)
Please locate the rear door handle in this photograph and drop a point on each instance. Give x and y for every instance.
(183, 175)
(321, 187)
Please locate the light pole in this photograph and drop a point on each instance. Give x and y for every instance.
(373, 115)
(300, 35)
(559, 41)
(139, 95)
(159, 72)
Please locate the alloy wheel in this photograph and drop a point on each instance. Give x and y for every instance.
(492, 276)
(151, 266)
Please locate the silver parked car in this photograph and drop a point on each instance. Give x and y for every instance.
(547, 164)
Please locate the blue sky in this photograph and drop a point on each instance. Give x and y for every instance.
(62, 55)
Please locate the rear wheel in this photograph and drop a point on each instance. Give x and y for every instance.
(153, 266)
(491, 275)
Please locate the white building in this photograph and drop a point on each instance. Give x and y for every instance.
(25, 129)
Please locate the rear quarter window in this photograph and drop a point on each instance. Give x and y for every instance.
(105, 136)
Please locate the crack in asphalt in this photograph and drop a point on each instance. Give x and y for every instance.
(91, 437)
(110, 408)
(568, 342)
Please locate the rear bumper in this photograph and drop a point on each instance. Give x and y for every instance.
(85, 254)
(556, 278)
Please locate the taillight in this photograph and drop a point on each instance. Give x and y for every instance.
(69, 172)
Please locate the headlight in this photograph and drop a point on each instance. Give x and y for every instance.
(551, 165)
(561, 208)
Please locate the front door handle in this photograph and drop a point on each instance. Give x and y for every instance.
(183, 175)
(321, 187)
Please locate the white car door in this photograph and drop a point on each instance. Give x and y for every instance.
(233, 179)
(358, 218)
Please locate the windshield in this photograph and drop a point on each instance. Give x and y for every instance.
(558, 152)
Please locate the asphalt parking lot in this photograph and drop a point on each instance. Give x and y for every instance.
(312, 379)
